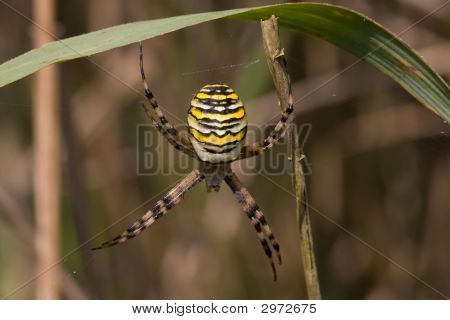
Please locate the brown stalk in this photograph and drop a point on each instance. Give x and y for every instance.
(46, 133)
(277, 66)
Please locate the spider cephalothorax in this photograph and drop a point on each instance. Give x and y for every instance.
(217, 126)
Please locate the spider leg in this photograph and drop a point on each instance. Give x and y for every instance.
(257, 218)
(174, 196)
(179, 141)
(280, 129)
(178, 146)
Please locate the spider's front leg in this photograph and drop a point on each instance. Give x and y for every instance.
(257, 218)
(280, 129)
(173, 197)
(158, 118)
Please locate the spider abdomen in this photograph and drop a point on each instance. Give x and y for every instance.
(217, 123)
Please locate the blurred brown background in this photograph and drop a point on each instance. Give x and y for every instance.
(380, 163)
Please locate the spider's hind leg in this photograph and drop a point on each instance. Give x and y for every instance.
(257, 218)
(171, 198)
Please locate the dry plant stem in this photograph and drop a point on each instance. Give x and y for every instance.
(46, 144)
(275, 59)
(303, 218)
(277, 66)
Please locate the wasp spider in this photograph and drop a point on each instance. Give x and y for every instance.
(217, 126)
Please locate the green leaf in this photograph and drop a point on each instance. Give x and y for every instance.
(342, 27)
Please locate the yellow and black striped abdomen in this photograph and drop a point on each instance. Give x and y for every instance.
(217, 123)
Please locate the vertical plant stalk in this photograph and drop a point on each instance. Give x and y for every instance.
(46, 133)
(303, 218)
(277, 67)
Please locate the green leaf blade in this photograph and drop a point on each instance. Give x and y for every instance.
(342, 27)
(369, 41)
